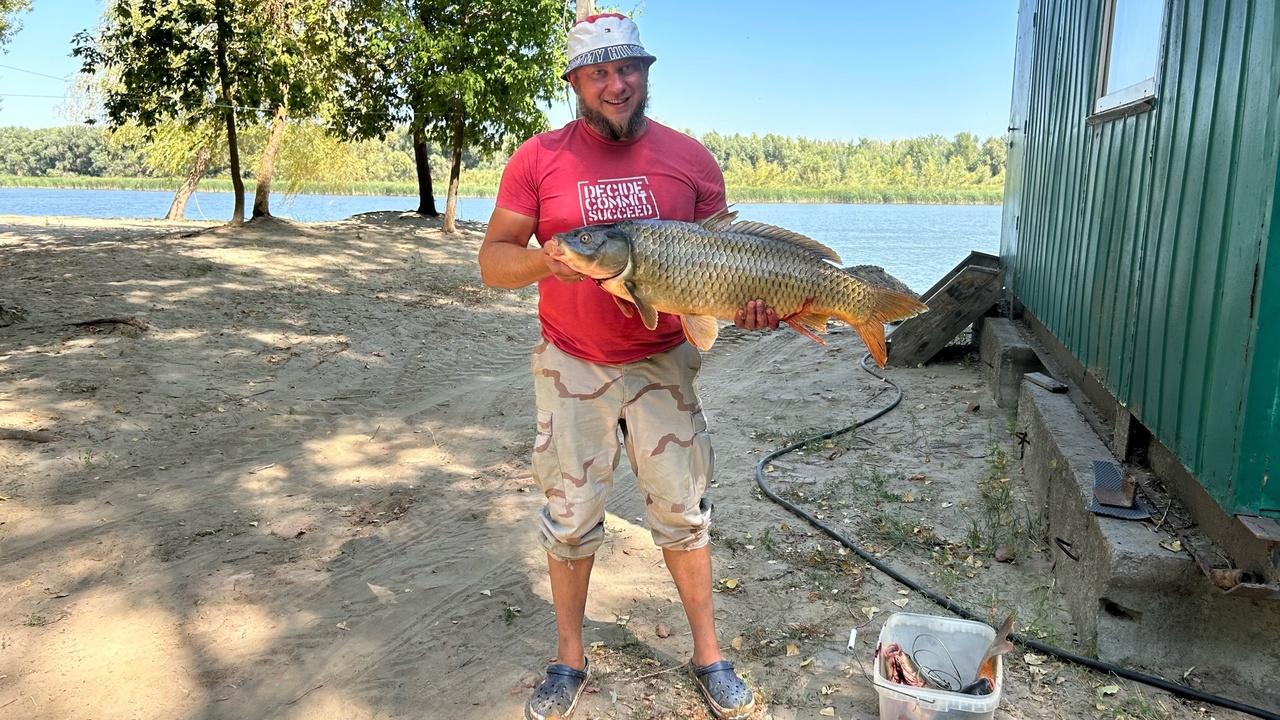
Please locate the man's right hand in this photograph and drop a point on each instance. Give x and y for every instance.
(507, 260)
(557, 268)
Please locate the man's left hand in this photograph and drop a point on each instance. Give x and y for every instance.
(756, 315)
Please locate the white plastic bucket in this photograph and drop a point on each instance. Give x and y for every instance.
(965, 642)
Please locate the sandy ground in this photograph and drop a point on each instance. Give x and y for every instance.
(287, 477)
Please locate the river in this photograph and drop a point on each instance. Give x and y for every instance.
(917, 243)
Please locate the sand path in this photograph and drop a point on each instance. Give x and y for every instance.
(295, 485)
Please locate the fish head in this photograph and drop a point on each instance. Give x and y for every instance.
(597, 251)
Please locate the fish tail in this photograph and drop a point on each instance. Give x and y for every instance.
(885, 306)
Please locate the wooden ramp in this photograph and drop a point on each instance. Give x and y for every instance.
(955, 301)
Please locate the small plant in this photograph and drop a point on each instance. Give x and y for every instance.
(1040, 622)
(999, 606)
(781, 439)
(998, 523)
(901, 532)
(894, 530)
(1141, 707)
(34, 620)
(836, 560)
(874, 487)
(948, 566)
(975, 536)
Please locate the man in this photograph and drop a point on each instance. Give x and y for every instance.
(597, 372)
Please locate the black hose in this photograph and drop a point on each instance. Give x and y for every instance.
(1152, 680)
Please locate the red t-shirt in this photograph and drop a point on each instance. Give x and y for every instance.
(572, 177)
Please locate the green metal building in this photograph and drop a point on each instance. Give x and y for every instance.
(1140, 228)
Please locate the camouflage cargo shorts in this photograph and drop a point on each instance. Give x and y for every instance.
(577, 449)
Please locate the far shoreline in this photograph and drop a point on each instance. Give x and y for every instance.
(753, 195)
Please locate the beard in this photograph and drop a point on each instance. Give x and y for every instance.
(610, 129)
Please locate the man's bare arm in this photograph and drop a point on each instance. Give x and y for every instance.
(507, 261)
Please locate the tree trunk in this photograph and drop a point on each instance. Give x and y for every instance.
(178, 208)
(426, 196)
(584, 9)
(455, 169)
(267, 164)
(224, 78)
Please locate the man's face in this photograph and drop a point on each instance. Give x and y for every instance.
(612, 96)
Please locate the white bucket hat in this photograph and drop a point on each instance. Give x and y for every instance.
(604, 38)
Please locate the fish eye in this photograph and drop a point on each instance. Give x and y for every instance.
(585, 237)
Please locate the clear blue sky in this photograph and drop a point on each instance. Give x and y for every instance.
(829, 70)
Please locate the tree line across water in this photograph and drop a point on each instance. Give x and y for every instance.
(365, 95)
(768, 168)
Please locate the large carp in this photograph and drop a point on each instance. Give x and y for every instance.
(709, 270)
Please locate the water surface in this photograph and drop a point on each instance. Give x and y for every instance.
(917, 243)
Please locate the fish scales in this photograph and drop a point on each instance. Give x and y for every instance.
(685, 268)
(710, 270)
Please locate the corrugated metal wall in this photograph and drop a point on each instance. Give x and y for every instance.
(1258, 473)
(1139, 237)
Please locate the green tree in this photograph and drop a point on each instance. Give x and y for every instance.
(387, 62)
(965, 148)
(64, 151)
(464, 75)
(994, 155)
(190, 60)
(174, 148)
(168, 61)
(9, 23)
(498, 60)
(299, 45)
(930, 161)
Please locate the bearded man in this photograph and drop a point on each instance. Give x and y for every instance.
(603, 381)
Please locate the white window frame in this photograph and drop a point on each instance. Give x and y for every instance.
(1134, 98)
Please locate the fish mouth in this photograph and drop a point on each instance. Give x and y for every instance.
(560, 249)
(556, 251)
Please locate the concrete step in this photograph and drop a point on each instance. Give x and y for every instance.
(1134, 602)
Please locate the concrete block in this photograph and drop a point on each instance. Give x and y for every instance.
(1007, 357)
(1133, 602)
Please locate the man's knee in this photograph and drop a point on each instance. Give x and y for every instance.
(680, 528)
(569, 542)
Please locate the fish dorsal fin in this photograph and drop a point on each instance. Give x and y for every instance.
(759, 229)
(701, 330)
(720, 221)
(727, 221)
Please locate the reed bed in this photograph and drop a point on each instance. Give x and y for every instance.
(484, 184)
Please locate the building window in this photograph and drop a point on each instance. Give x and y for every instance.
(1130, 54)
